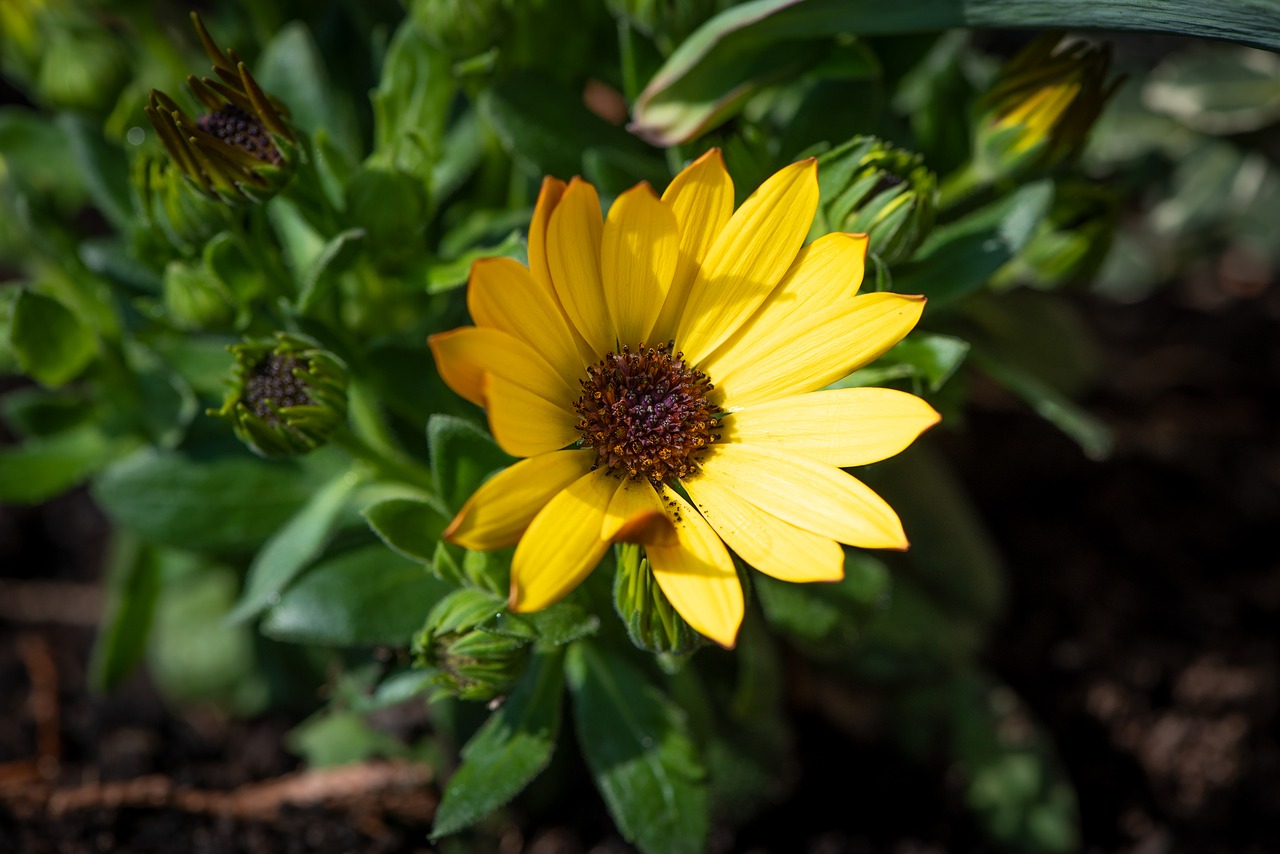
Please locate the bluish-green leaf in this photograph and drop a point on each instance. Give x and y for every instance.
(512, 747)
(637, 745)
(358, 598)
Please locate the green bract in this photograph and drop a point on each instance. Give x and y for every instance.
(288, 395)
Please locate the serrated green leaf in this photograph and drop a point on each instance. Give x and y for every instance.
(292, 547)
(359, 598)
(559, 624)
(50, 342)
(637, 745)
(512, 747)
(462, 456)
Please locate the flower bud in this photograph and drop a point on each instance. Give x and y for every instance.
(472, 663)
(652, 623)
(888, 193)
(1041, 107)
(169, 205)
(288, 396)
(241, 149)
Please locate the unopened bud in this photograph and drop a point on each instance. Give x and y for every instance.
(651, 621)
(288, 396)
(472, 663)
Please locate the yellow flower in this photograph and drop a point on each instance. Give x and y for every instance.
(660, 372)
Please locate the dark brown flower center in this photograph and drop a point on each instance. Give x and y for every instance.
(272, 383)
(647, 414)
(235, 127)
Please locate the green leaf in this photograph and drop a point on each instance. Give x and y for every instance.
(33, 412)
(545, 127)
(40, 469)
(359, 598)
(408, 526)
(133, 583)
(637, 745)
(413, 99)
(1216, 88)
(224, 504)
(932, 358)
(698, 85)
(512, 747)
(50, 342)
(958, 259)
(292, 547)
(36, 155)
(462, 456)
(321, 273)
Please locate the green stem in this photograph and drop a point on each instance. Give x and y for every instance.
(627, 52)
(387, 464)
(959, 187)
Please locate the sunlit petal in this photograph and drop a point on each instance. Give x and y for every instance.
(464, 355)
(808, 494)
(814, 352)
(636, 515)
(523, 423)
(638, 257)
(573, 256)
(562, 544)
(697, 574)
(748, 258)
(548, 197)
(503, 295)
(498, 512)
(701, 197)
(839, 427)
(764, 541)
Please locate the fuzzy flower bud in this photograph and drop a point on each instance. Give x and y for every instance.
(461, 28)
(888, 193)
(288, 396)
(473, 663)
(172, 209)
(241, 149)
(1041, 107)
(652, 623)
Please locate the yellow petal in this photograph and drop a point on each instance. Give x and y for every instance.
(464, 355)
(748, 258)
(813, 352)
(764, 541)
(808, 494)
(701, 197)
(525, 424)
(638, 257)
(562, 544)
(548, 197)
(839, 427)
(503, 295)
(497, 513)
(636, 515)
(573, 256)
(697, 574)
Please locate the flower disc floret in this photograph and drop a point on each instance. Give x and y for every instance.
(647, 414)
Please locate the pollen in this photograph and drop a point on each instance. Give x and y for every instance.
(235, 127)
(272, 385)
(647, 414)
